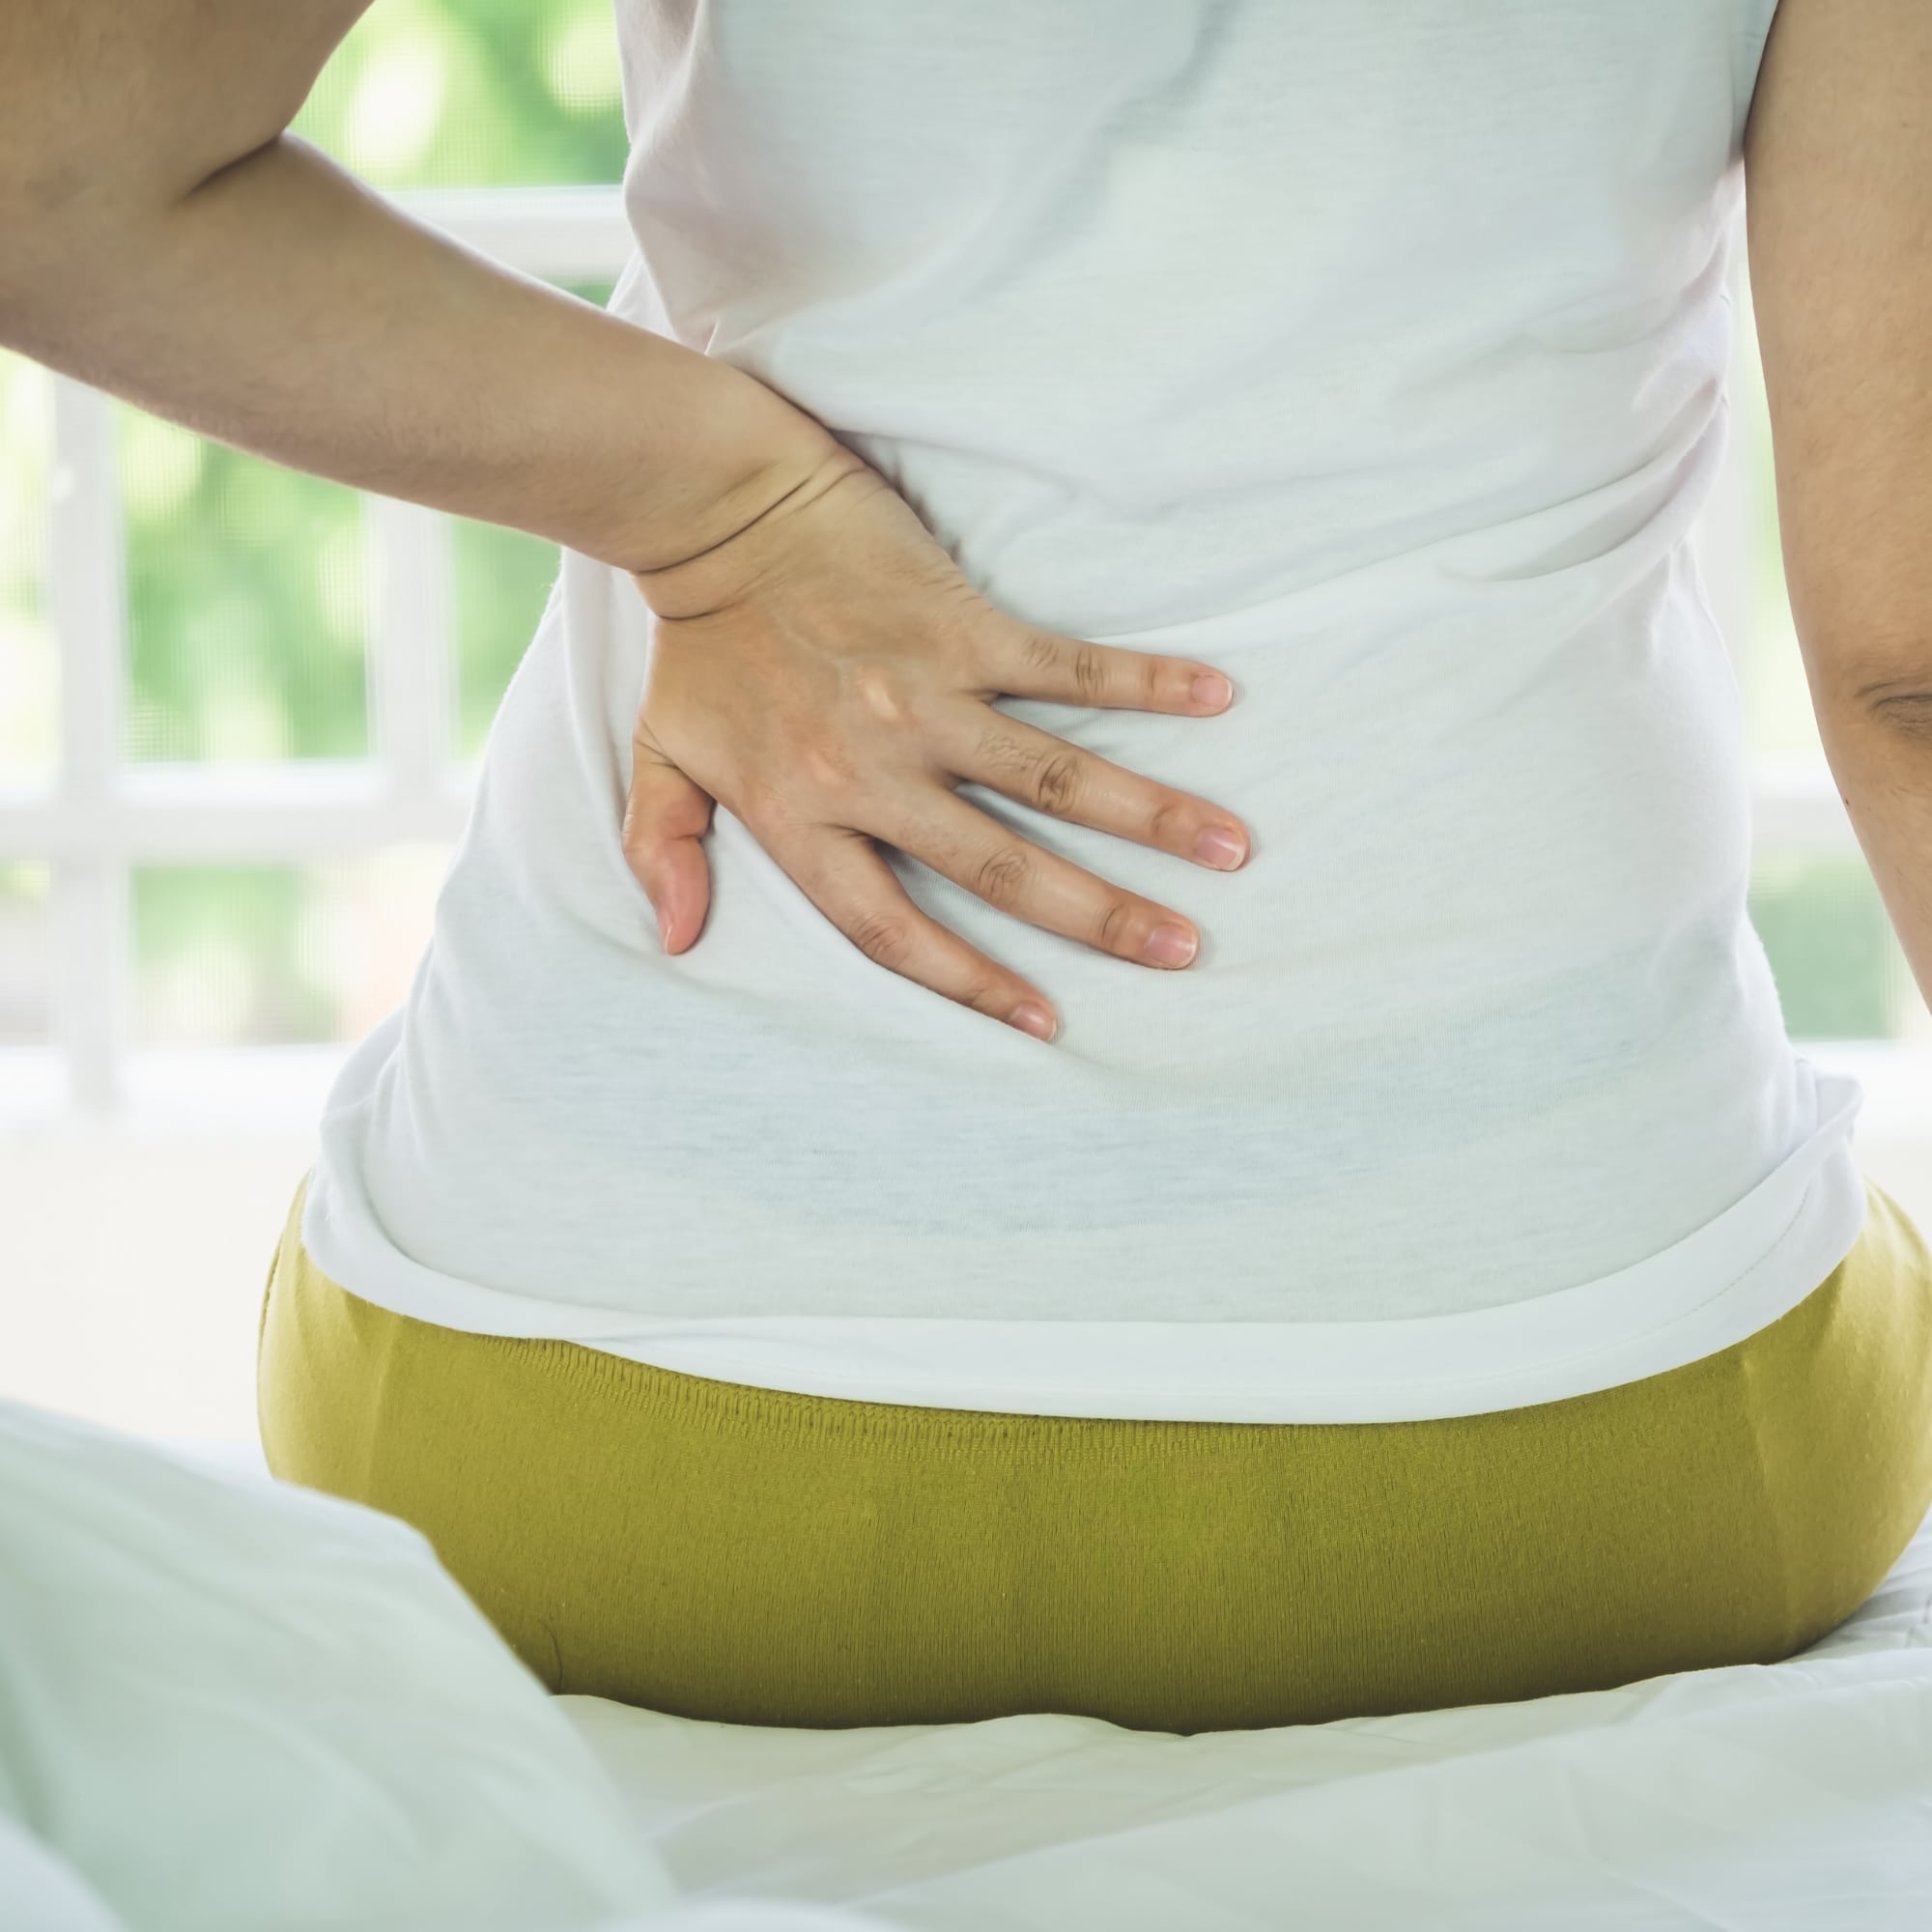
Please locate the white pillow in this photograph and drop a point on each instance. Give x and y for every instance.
(226, 1703)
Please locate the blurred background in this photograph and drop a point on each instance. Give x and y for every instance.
(237, 711)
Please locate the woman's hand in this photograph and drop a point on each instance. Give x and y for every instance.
(826, 674)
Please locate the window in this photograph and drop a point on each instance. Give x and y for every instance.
(239, 707)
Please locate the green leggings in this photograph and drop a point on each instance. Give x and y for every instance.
(757, 1557)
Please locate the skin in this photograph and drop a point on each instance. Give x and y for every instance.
(1839, 195)
(823, 670)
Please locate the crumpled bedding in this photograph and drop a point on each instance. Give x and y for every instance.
(225, 1703)
(1794, 1797)
(231, 1706)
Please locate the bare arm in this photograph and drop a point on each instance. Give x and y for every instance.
(820, 666)
(1839, 179)
(163, 237)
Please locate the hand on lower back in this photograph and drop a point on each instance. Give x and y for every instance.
(826, 675)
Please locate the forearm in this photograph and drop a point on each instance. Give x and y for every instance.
(280, 306)
(1880, 751)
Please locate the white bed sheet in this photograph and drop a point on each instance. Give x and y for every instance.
(1794, 1797)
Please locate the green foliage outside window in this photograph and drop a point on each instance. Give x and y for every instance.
(247, 616)
(1840, 973)
(474, 94)
(245, 606)
(223, 955)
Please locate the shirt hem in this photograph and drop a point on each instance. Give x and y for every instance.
(1642, 1322)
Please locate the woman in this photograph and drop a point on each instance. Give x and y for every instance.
(1430, 1278)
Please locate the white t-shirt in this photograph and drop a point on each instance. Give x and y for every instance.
(1373, 355)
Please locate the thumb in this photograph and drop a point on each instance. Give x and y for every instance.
(666, 818)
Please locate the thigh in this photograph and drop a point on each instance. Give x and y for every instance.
(753, 1556)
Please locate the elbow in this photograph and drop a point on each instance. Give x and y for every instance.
(61, 197)
(1868, 652)
(1902, 706)
(29, 258)
(112, 117)
(72, 204)
(1876, 708)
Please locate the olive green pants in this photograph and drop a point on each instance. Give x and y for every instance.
(758, 1557)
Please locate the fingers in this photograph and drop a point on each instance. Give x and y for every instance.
(666, 817)
(1025, 663)
(1060, 779)
(973, 850)
(843, 874)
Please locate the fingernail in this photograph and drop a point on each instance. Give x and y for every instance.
(1211, 688)
(1033, 1020)
(664, 928)
(1219, 848)
(1172, 945)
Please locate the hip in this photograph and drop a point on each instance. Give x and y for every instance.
(758, 1555)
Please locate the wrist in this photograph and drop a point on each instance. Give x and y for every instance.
(749, 450)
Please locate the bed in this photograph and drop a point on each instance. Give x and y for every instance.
(223, 1702)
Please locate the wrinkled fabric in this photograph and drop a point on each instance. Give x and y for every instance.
(227, 1704)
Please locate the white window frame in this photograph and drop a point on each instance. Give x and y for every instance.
(103, 817)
